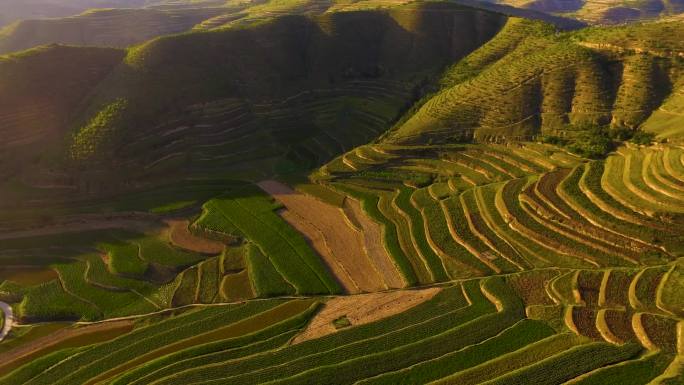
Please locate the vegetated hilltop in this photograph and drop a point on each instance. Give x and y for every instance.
(103, 27)
(530, 81)
(539, 265)
(311, 86)
(602, 12)
(40, 92)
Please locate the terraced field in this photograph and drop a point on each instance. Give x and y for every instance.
(528, 81)
(326, 193)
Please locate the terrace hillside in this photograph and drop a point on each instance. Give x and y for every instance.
(602, 11)
(530, 81)
(193, 106)
(423, 193)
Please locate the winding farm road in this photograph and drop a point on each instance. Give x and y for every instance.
(9, 320)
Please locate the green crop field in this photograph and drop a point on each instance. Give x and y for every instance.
(334, 192)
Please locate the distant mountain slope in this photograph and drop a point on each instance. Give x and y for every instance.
(529, 80)
(601, 11)
(13, 10)
(296, 87)
(119, 27)
(103, 27)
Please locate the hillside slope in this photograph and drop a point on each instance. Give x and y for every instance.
(13, 10)
(40, 93)
(103, 27)
(531, 81)
(603, 12)
(295, 76)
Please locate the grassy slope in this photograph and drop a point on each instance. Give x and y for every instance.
(303, 53)
(529, 80)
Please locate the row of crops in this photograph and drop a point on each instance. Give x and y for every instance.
(305, 130)
(592, 247)
(585, 283)
(468, 333)
(91, 275)
(455, 211)
(529, 79)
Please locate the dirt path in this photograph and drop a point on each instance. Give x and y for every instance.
(362, 309)
(9, 320)
(180, 236)
(343, 244)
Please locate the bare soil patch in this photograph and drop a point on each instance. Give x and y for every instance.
(372, 237)
(317, 241)
(180, 236)
(341, 245)
(362, 309)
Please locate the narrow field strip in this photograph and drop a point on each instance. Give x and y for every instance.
(402, 202)
(357, 341)
(516, 337)
(372, 233)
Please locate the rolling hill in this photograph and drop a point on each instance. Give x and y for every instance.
(422, 193)
(103, 27)
(529, 81)
(602, 12)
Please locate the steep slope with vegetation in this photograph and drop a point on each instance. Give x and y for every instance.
(602, 12)
(498, 203)
(39, 94)
(530, 81)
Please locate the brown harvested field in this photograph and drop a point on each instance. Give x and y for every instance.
(372, 236)
(362, 309)
(180, 236)
(662, 331)
(589, 286)
(318, 242)
(584, 319)
(617, 288)
(27, 275)
(87, 222)
(19, 337)
(341, 244)
(620, 324)
(645, 288)
(61, 339)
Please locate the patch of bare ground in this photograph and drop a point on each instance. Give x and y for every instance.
(62, 338)
(317, 241)
(341, 245)
(372, 236)
(180, 235)
(362, 309)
